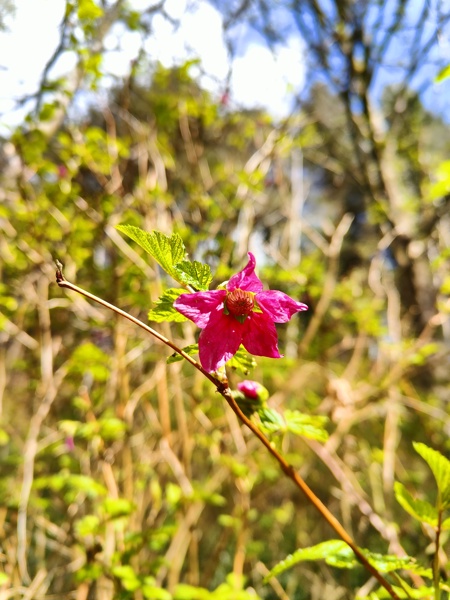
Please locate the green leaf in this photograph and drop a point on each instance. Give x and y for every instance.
(195, 274)
(118, 507)
(164, 309)
(88, 357)
(88, 525)
(421, 510)
(386, 563)
(308, 426)
(152, 592)
(271, 420)
(111, 428)
(444, 73)
(242, 362)
(441, 470)
(446, 525)
(322, 551)
(337, 554)
(184, 591)
(167, 251)
(86, 484)
(175, 357)
(405, 591)
(127, 576)
(294, 421)
(88, 10)
(4, 437)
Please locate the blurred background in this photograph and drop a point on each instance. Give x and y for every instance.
(314, 134)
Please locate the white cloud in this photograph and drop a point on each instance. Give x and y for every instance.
(259, 78)
(26, 48)
(265, 79)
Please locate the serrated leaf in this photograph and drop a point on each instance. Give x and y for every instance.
(175, 357)
(318, 552)
(242, 362)
(440, 467)
(167, 251)
(195, 274)
(164, 309)
(271, 420)
(312, 427)
(386, 563)
(421, 510)
(338, 554)
(405, 591)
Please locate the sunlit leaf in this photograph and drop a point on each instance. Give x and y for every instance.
(440, 467)
(88, 10)
(310, 426)
(167, 251)
(153, 592)
(338, 554)
(184, 591)
(4, 437)
(320, 551)
(406, 591)
(127, 576)
(444, 73)
(88, 357)
(111, 428)
(242, 361)
(386, 563)
(164, 309)
(190, 350)
(87, 525)
(195, 274)
(86, 484)
(271, 420)
(117, 507)
(421, 510)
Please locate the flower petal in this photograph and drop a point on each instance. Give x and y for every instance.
(246, 279)
(260, 336)
(279, 306)
(219, 340)
(198, 306)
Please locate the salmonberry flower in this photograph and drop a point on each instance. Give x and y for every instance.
(242, 313)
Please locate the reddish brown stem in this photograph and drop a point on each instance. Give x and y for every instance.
(225, 391)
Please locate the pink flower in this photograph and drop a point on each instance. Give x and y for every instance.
(240, 314)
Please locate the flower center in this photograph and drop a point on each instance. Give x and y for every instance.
(239, 304)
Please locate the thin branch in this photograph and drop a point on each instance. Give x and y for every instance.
(62, 282)
(225, 391)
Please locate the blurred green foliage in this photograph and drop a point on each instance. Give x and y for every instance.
(125, 477)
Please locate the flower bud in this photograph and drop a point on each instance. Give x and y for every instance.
(253, 390)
